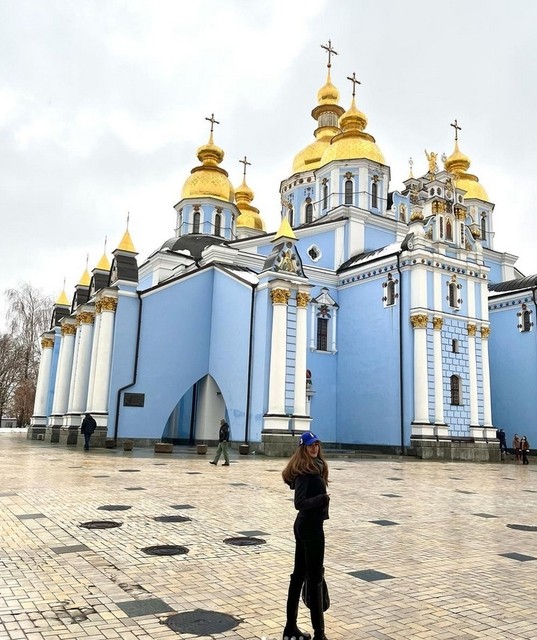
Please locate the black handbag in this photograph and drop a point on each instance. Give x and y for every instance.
(306, 595)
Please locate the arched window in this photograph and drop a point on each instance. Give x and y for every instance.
(348, 191)
(290, 216)
(390, 295)
(526, 321)
(325, 196)
(309, 213)
(449, 230)
(374, 195)
(483, 228)
(441, 227)
(217, 224)
(196, 223)
(455, 346)
(322, 334)
(455, 387)
(452, 287)
(323, 322)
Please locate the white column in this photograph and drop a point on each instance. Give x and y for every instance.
(421, 390)
(94, 356)
(276, 404)
(441, 427)
(79, 383)
(472, 368)
(107, 307)
(65, 366)
(418, 287)
(333, 323)
(302, 300)
(485, 332)
(43, 378)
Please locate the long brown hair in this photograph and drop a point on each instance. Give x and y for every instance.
(301, 463)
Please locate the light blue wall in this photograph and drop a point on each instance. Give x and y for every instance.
(261, 360)
(325, 242)
(376, 238)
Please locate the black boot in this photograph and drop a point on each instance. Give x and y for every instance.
(316, 611)
(291, 631)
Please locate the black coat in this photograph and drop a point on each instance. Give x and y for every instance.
(311, 499)
(88, 425)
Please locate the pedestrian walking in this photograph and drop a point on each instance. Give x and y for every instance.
(525, 449)
(516, 447)
(307, 473)
(88, 427)
(500, 435)
(223, 443)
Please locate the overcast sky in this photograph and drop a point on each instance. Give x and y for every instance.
(103, 105)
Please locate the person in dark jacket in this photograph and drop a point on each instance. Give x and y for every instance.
(223, 442)
(307, 473)
(525, 449)
(87, 428)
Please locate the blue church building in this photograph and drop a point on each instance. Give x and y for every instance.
(375, 317)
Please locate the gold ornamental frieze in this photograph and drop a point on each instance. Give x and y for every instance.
(419, 320)
(472, 329)
(85, 317)
(68, 329)
(47, 343)
(302, 299)
(437, 323)
(106, 304)
(485, 332)
(280, 296)
(460, 214)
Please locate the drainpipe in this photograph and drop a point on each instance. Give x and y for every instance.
(135, 373)
(193, 411)
(250, 363)
(401, 401)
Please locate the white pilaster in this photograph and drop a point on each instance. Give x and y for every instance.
(107, 307)
(43, 381)
(81, 365)
(278, 348)
(421, 425)
(418, 287)
(485, 332)
(470, 286)
(302, 300)
(93, 359)
(63, 373)
(475, 429)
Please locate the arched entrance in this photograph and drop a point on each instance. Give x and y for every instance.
(196, 417)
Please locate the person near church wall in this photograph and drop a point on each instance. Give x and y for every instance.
(500, 435)
(525, 449)
(516, 447)
(87, 428)
(223, 443)
(307, 473)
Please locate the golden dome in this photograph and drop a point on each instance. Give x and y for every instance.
(458, 164)
(309, 158)
(209, 179)
(103, 264)
(85, 279)
(126, 243)
(249, 215)
(328, 94)
(63, 300)
(353, 142)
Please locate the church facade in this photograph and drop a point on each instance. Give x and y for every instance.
(376, 318)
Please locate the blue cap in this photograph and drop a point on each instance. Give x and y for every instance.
(308, 438)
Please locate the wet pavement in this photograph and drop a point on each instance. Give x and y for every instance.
(414, 549)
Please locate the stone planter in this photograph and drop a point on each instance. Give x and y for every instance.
(110, 443)
(128, 445)
(163, 447)
(201, 449)
(244, 449)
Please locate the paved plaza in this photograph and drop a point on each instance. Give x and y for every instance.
(414, 549)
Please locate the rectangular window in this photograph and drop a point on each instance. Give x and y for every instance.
(322, 334)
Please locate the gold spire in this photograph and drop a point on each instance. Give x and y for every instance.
(63, 300)
(284, 231)
(103, 264)
(458, 164)
(126, 243)
(85, 279)
(353, 142)
(249, 215)
(209, 179)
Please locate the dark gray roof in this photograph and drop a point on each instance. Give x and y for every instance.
(193, 242)
(527, 282)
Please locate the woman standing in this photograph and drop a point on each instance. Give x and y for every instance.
(524, 447)
(307, 473)
(516, 446)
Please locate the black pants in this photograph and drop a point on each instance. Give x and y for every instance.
(309, 550)
(87, 437)
(525, 457)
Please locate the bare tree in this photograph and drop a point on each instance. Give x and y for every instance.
(9, 372)
(28, 316)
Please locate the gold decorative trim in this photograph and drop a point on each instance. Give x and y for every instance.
(85, 317)
(437, 323)
(280, 296)
(460, 214)
(68, 329)
(417, 214)
(106, 304)
(47, 343)
(419, 321)
(302, 299)
(472, 329)
(485, 332)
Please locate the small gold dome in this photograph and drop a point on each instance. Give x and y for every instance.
(85, 279)
(103, 264)
(249, 215)
(209, 179)
(458, 164)
(328, 94)
(353, 142)
(126, 243)
(63, 300)
(309, 158)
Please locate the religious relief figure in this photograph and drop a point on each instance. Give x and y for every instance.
(288, 262)
(431, 158)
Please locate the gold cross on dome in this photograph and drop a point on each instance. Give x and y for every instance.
(212, 121)
(330, 51)
(245, 162)
(354, 81)
(457, 129)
